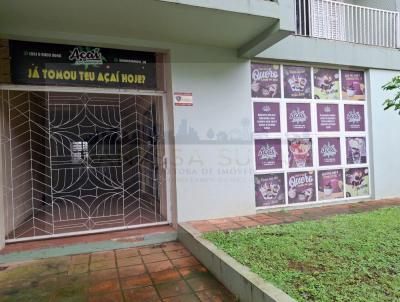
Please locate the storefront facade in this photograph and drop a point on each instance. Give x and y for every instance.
(188, 129)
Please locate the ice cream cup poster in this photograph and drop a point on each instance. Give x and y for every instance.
(298, 117)
(301, 187)
(357, 182)
(330, 184)
(356, 150)
(268, 154)
(326, 84)
(266, 117)
(297, 82)
(353, 85)
(328, 118)
(354, 117)
(265, 80)
(269, 189)
(329, 151)
(300, 152)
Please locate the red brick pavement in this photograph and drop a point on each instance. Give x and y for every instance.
(289, 216)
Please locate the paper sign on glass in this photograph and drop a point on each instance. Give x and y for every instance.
(298, 117)
(330, 184)
(269, 189)
(266, 117)
(265, 80)
(268, 154)
(301, 187)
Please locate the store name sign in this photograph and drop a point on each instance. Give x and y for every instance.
(65, 65)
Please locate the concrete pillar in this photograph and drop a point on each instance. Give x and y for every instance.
(2, 201)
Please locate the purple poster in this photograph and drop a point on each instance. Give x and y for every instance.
(300, 152)
(298, 117)
(326, 84)
(329, 151)
(270, 189)
(357, 182)
(328, 117)
(354, 117)
(266, 117)
(353, 85)
(301, 187)
(297, 82)
(268, 154)
(265, 80)
(356, 150)
(330, 184)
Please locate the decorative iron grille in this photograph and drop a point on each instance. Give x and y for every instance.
(76, 162)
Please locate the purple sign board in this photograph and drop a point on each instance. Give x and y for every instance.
(266, 117)
(356, 150)
(268, 153)
(297, 82)
(300, 152)
(265, 80)
(330, 184)
(301, 186)
(357, 182)
(329, 151)
(354, 117)
(326, 84)
(328, 117)
(353, 85)
(269, 189)
(298, 117)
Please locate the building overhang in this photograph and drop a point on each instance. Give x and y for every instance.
(249, 26)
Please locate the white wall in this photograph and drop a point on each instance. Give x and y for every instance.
(385, 130)
(214, 161)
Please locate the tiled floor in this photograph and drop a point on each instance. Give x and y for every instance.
(166, 272)
(280, 217)
(133, 235)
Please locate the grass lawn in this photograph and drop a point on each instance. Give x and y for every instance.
(343, 258)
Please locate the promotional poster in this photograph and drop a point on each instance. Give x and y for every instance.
(297, 82)
(326, 84)
(268, 154)
(269, 189)
(328, 117)
(329, 151)
(301, 187)
(353, 85)
(357, 182)
(330, 184)
(298, 117)
(265, 80)
(354, 117)
(300, 152)
(356, 150)
(266, 117)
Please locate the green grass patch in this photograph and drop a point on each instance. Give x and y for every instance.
(343, 258)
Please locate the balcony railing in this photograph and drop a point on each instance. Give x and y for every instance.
(336, 20)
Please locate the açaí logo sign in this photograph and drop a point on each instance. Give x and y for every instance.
(328, 150)
(266, 108)
(353, 117)
(86, 57)
(298, 116)
(267, 152)
(300, 180)
(264, 74)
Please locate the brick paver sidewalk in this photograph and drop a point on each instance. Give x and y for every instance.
(166, 272)
(289, 216)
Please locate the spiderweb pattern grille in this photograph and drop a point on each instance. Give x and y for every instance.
(80, 162)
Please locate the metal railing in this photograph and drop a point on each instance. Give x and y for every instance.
(336, 20)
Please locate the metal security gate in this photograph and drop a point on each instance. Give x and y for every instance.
(75, 163)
